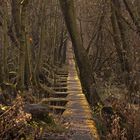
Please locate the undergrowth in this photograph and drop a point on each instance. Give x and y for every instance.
(16, 124)
(117, 119)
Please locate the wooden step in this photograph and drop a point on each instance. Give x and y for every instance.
(59, 94)
(74, 85)
(74, 89)
(57, 109)
(59, 77)
(62, 77)
(62, 73)
(57, 101)
(60, 89)
(73, 80)
(70, 82)
(60, 84)
(61, 80)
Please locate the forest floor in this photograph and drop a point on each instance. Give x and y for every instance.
(71, 117)
(119, 117)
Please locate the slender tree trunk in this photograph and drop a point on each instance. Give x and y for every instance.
(28, 64)
(41, 47)
(55, 37)
(63, 59)
(125, 47)
(133, 13)
(1, 74)
(16, 17)
(121, 44)
(61, 45)
(22, 52)
(5, 45)
(116, 36)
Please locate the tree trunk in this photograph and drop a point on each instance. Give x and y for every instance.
(16, 16)
(5, 44)
(22, 40)
(121, 45)
(133, 14)
(67, 7)
(41, 46)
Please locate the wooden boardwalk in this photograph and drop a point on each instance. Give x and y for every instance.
(78, 113)
(69, 101)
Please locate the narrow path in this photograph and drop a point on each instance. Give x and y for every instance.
(78, 113)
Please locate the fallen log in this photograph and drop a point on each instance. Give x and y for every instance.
(38, 111)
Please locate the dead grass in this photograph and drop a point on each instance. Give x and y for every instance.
(118, 119)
